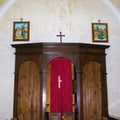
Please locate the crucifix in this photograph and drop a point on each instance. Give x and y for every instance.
(21, 19)
(60, 36)
(59, 81)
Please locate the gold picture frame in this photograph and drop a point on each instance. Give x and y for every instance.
(21, 30)
(99, 32)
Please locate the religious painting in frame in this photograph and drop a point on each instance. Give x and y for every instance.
(99, 32)
(21, 30)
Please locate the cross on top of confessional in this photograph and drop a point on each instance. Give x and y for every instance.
(60, 35)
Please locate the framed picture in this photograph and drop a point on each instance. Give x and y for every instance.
(21, 31)
(99, 32)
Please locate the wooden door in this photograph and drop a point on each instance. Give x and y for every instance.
(29, 92)
(92, 92)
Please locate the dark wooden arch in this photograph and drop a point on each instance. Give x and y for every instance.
(78, 53)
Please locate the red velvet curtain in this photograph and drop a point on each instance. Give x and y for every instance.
(61, 91)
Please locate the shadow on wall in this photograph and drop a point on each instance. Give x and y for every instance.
(114, 109)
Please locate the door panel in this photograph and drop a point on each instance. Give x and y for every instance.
(29, 91)
(92, 91)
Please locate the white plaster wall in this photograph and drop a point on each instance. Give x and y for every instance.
(47, 18)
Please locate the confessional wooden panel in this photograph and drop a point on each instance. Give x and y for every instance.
(69, 116)
(54, 116)
(92, 105)
(30, 79)
(28, 92)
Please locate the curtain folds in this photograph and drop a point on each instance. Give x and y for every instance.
(61, 85)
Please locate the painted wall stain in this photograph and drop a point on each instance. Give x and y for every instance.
(2, 2)
(63, 10)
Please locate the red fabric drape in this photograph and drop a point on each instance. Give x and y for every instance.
(61, 98)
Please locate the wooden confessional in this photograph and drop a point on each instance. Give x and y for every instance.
(89, 85)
